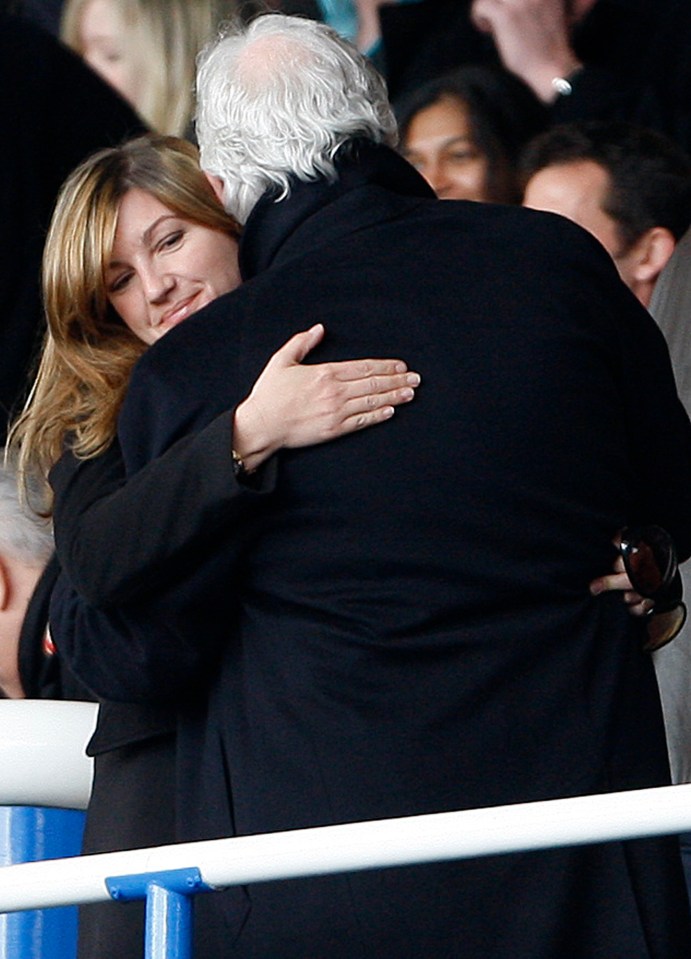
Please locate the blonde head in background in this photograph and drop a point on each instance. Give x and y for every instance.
(146, 50)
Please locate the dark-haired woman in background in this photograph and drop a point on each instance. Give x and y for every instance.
(465, 131)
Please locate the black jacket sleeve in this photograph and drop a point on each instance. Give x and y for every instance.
(118, 539)
(135, 654)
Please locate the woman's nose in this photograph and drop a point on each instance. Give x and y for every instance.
(157, 285)
(436, 176)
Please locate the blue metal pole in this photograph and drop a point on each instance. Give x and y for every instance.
(28, 834)
(168, 924)
(168, 908)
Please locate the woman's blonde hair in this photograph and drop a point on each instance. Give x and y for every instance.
(162, 38)
(88, 352)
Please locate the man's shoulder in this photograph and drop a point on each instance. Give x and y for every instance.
(509, 236)
(533, 225)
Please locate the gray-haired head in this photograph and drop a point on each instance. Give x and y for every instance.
(277, 98)
(24, 536)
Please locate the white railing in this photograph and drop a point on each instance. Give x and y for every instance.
(42, 758)
(45, 783)
(43, 763)
(358, 846)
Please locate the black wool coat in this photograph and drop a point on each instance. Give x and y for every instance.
(402, 624)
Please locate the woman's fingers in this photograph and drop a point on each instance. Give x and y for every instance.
(641, 607)
(362, 370)
(294, 404)
(359, 421)
(373, 386)
(351, 397)
(369, 400)
(296, 349)
(374, 408)
(637, 604)
(370, 386)
(617, 579)
(299, 345)
(381, 397)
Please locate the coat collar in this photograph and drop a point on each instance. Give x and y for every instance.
(359, 163)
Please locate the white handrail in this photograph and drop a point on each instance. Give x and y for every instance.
(42, 753)
(357, 846)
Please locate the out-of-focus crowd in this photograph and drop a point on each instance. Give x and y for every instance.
(575, 107)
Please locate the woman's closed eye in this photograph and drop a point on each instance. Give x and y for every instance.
(171, 241)
(119, 283)
(462, 155)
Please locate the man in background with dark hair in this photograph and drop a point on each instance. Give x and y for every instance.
(628, 186)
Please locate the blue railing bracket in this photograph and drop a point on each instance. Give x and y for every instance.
(168, 895)
(185, 882)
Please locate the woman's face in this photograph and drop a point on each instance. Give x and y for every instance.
(440, 145)
(103, 46)
(164, 267)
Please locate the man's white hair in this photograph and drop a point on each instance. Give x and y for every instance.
(278, 97)
(24, 536)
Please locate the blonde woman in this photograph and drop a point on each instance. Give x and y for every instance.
(138, 242)
(146, 50)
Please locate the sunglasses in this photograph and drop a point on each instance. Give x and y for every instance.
(650, 560)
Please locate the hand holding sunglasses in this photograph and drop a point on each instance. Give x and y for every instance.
(650, 561)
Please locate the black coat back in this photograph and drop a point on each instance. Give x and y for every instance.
(405, 626)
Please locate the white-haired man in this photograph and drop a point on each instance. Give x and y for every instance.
(406, 626)
(29, 664)
(26, 577)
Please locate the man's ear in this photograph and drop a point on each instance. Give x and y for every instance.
(651, 253)
(5, 585)
(644, 262)
(217, 185)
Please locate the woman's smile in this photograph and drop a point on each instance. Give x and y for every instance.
(164, 267)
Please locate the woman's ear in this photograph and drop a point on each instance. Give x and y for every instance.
(5, 585)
